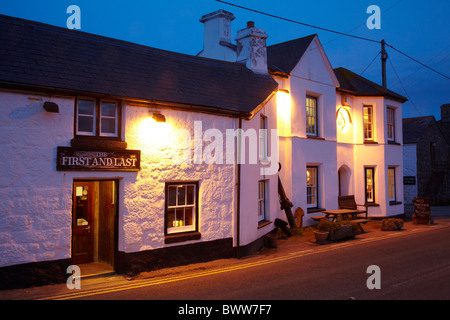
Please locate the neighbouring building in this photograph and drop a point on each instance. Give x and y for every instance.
(426, 158)
(141, 158)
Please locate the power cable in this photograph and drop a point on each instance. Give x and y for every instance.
(370, 63)
(333, 31)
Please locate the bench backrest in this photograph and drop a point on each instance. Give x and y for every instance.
(347, 202)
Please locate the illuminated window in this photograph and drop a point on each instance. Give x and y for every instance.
(181, 207)
(391, 184)
(390, 122)
(311, 187)
(311, 116)
(368, 122)
(370, 184)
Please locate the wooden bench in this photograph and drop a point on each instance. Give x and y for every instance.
(318, 218)
(348, 202)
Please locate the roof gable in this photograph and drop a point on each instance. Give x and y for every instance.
(39, 55)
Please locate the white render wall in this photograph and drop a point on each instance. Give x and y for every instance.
(36, 200)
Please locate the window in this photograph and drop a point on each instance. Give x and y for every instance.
(263, 138)
(262, 200)
(370, 185)
(391, 184)
(390, 121)
(311, 116)
(311, 187)
(368, 122)
(95, 117)
(181, 207)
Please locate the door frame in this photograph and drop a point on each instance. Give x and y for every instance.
(116, 215)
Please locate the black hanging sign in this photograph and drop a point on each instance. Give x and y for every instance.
(83, 159)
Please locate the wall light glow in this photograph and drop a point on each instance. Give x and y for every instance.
(153, 134)
(284, 112)
(343, 118)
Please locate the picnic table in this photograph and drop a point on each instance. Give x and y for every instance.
(343, 214)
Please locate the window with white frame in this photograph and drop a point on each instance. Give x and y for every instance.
(391, 184)
(368, 123)
(370, 184)
(96, 117)
(312, 187)
(181, 207)
(390, 122)
(263, 143)
(262, 200)
(311, 116)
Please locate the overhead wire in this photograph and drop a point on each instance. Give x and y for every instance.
(333, 31)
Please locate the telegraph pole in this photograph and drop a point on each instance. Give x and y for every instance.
(384, 57)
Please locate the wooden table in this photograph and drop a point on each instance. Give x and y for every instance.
(346, 214)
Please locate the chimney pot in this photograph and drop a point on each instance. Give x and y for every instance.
(250, 24)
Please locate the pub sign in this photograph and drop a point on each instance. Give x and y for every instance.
(84, 159)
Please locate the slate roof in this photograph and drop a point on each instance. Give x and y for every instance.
(355, 84)
(414, 128)
(283, 57)
(37, 55)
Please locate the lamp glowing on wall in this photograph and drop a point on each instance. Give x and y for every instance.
(284, 112)
(153, 131)
(343, 116)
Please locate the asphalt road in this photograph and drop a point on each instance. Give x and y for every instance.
(412, 267)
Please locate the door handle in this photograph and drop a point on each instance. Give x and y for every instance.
(88, 229)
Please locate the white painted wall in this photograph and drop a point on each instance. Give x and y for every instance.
(36, 200)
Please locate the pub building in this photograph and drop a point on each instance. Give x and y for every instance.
(93, 130)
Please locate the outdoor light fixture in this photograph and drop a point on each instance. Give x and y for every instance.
(51, 107)
(158, 117)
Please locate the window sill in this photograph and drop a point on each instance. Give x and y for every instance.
(394, 143)
(182, 237)
(314, 137)
(98, 143)
(394, 203)
(313, 210)
(370, 142)
(371, 204)
(263, 223)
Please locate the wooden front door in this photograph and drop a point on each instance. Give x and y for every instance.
(83, 222)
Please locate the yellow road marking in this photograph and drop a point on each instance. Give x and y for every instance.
(152, 282)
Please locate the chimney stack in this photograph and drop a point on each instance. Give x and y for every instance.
(445, 112)
(251, 48)
(217, 36)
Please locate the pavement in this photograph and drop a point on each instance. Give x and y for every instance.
(287, 247)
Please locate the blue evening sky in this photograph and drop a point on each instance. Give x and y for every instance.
(419, 28)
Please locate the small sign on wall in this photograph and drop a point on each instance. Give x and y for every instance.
(82, 159)
(409, 180)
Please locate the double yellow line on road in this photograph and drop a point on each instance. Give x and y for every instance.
(294, 255)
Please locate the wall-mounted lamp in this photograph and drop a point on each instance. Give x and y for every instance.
(284, 112)
(158, 117)
(343, 118)
(51, 107)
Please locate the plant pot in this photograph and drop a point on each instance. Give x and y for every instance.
(321, 236)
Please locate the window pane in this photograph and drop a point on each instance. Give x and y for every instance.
(188, 217)
(172, 196)
(190, 195)
(108, 125)
(181, 195)
(86, 124)
(108, 109)
(170, 217)
(86, 107)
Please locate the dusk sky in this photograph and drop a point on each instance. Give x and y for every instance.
(418, 28)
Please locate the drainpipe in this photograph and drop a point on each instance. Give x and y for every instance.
(238, 191)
